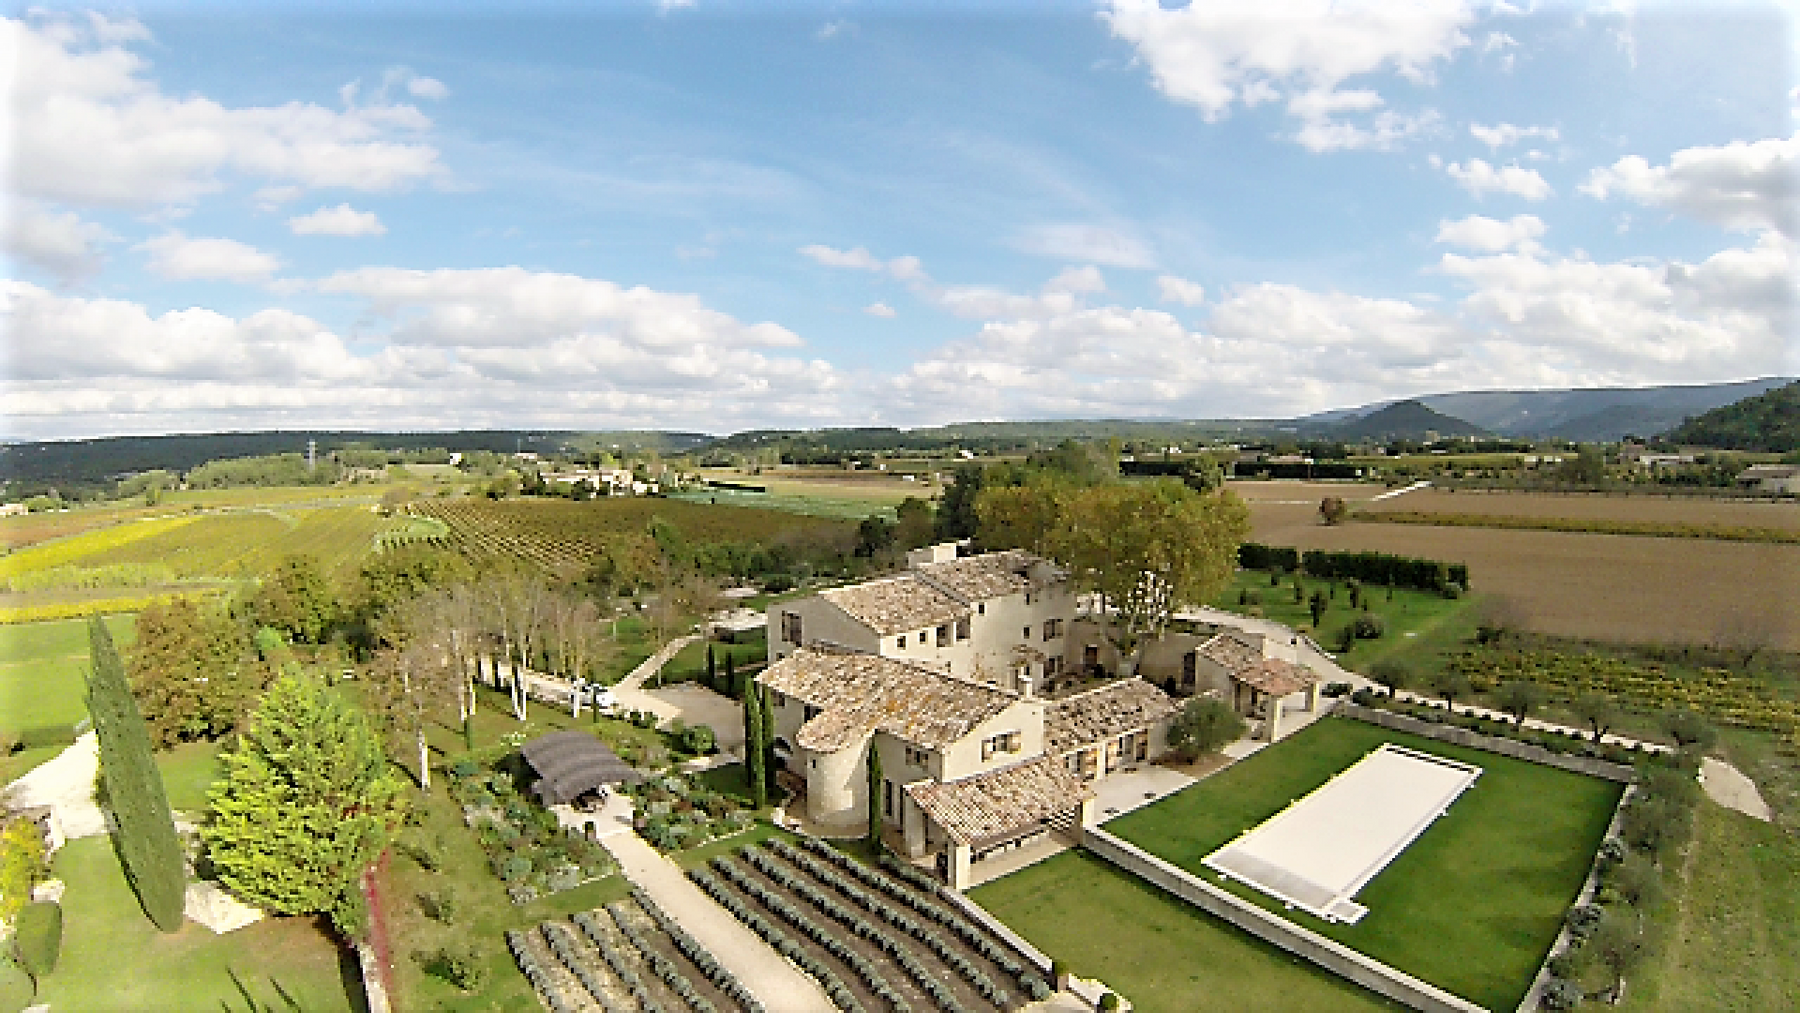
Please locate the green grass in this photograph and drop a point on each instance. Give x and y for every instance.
(188, 770)
(689, 663)
(1472, 906)
(1163, 955)
(1418, 613)
(1731, 936)
(43, 670)
(114, 959)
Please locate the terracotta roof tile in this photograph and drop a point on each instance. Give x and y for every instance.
(990, 575)
(979, 808)
(1231, 653)
(896, 604)
(1102, 713)
(860, 693)
(1277, 677)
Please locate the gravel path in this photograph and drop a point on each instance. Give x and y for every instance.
(1727, 785)
(66, 784)
(779, 984)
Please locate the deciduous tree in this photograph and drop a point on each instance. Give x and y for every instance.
(1597, 711)
(295, 599)
(1518, 699)
(1204, 724)
(1333, 510)
(191, 671)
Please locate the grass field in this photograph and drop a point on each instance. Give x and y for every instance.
(1472, 906)
(1733, 937)
(113, 959)
(690, 662)
(1641, 509)
(1409, 615)
(43, 670)
(1606, 587)
(1163, 955)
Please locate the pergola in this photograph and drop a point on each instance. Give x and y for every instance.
(571, 764)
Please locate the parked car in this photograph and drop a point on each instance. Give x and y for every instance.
(604, 701)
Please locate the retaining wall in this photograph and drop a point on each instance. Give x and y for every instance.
(1329, 954)
(1527, 751)
(979, 915)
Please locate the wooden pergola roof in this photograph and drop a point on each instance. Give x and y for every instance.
(571, 764)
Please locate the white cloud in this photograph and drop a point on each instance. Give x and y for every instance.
(59, 243)
(1180, 290)
(859, 258)
(427, 88)
(832, 29)
(1502, 135)
(880, 309)
(1214, 55)
(180, 258)
(342, 220)
(1093, 244)
(1739, 186)
(1490, 235)
(485, 346)
(1481, 179)
(665, 6)
(82, 124)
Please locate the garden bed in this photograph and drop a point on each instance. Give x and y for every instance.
(625, 956)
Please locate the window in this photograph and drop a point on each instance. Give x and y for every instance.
(1190, 663)
(887, 798)
(981, 608)
(790, 627)
(943, 635)
(810, 712)
(1028, 597)
(900, 642)
(780, 698)
(1005, 742)
(1090, 656)
(1052, 629)
(1052, 666)
(917, 757)
(1025, 633)
(962, 628)
(1143, 746)
(921, 636)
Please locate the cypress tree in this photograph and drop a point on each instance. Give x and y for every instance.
(712, 668)
(766, 712)
(145, 829)
(753, 747)
(875, 780)
(730, 671)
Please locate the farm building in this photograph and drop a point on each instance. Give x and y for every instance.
(1774, 479)
(955, 675)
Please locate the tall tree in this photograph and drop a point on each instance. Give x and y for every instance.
(876, 783)
(307, 803)
(1019, 516)
(295, 599)
(753, 745)
(145, 832)
(765, 713)
(1148, 549)
(191, 671)
(956, 514)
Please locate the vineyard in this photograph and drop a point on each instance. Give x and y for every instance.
(1732, 699)
(626, 957)
(875, 942)
(565, 537)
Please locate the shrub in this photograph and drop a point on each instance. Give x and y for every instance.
(522, 893)
(463, 966)
(1561, 993)
(1337, 689)
(699, 739)
(1109, 1001)
(1583, 919)
(441, 905)
(1369, 626)
(38, 938)
(514, 868)
(1345, 638)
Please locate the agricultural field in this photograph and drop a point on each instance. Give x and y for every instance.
(565, 537)
(875, 936)
(1164, 955)
(819, 492)
(627, 955)
(1472, 906)
(1605, 587)
(1636, 508)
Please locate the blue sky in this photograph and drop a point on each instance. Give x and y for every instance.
(722, 215)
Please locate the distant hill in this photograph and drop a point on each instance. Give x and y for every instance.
(1601, 414)
(1768, 423)
(88, 462)
(1403, 420)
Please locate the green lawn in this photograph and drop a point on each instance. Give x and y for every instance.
(188, 770)
(1419, 613)
(114, 959)
(1732, 923)
(1164, 955)
(1472, 906)
(43, 670)
(689, 663)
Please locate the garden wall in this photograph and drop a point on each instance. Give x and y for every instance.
(1333, 956)
(1526, 751)
(979, 915)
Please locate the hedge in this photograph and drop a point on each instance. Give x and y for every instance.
(1368, 567)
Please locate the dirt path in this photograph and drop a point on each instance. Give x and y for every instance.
(779, 984)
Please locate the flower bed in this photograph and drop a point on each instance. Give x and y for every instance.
(675, 813)
(526, 848)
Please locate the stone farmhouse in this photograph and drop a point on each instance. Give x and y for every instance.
(957, 673)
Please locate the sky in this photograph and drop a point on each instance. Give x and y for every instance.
(713, 216)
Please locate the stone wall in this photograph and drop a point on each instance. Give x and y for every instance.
(1527, 751)
(1333, 956)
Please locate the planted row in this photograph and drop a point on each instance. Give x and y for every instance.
(907, 872)
(621, 966)
(822, 934)
(536, 973)
(978, 939)
(690, 947)
(666, 969)
(562, 943)
(839, 993)
(865, 929)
